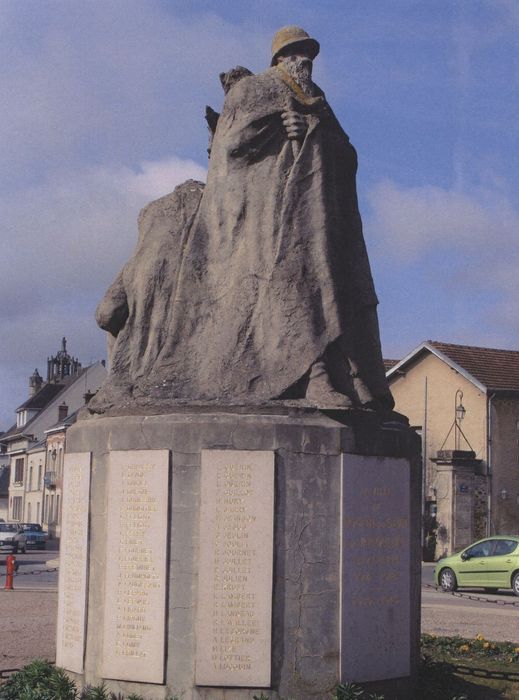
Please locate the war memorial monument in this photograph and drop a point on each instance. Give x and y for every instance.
(241, 504)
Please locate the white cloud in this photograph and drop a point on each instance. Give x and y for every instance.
(64, 242)
(110, 82)
(413, 221)
(154, 178)
(72, 231)
(458, 249)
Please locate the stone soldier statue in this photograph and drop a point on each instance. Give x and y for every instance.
(256, 288)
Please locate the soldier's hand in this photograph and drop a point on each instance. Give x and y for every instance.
(295, 125)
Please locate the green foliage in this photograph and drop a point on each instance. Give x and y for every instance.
(39, 681)
(98, 692)
(350, 691)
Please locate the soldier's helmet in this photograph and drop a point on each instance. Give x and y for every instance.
(291, 35)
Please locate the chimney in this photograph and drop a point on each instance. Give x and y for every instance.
(62, 411)
(35, 382)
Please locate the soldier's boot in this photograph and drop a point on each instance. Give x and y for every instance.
(321, 392)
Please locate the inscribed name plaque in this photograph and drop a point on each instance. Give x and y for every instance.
(235, 568)
(375, 580)
(136, 555)
(72, 596)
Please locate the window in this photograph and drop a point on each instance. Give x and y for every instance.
(38, 512)
(47, 508)
(503, 547)
(38, 485)
(17, 507)
(57, 508)
(51, 514)
(483, 549)
(18, 471)
(30, 480)
(29, 513)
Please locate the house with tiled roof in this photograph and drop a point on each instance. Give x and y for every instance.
(67, 387)
(465, 401)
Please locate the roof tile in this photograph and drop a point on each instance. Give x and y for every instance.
(495, 369)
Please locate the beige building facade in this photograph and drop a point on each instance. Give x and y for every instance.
(35, 443)
(465, 401)
(33, 499)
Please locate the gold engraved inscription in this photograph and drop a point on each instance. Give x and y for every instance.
(73, 563)
(376, 546)
(234, 616)
(137, 573)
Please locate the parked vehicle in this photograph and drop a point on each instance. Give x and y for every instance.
(29, 535)
(7, 535)
(491, 564)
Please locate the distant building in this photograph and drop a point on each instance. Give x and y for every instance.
(33, 467)
(52, 496)
(4, 491)
(4, 480)
(465, 401)
(33, 483)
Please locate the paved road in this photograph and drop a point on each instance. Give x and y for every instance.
(28, 613)
(35, 561)
(496, 617)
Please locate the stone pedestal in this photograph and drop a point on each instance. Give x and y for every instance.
(238, 552)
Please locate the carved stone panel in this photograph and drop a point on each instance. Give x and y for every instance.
(376, 568)
(136, 557)
(72, 596)
(235, 568)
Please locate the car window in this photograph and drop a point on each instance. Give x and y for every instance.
(503, 547)
(4, 527)
(482, 549)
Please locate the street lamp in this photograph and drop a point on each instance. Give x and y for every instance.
(459, 415)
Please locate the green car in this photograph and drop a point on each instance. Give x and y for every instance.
(491, 564)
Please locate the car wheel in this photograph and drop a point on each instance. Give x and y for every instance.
(15, 548)
(491, 590)
(515, 583)
(448, 580)
(23, 549)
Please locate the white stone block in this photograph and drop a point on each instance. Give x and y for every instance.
(73, 571)
(136, 554)
(375, 568)
(235, 568)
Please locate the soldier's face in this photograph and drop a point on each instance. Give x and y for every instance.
(298, 63)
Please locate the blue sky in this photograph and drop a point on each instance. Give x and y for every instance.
(102, 111)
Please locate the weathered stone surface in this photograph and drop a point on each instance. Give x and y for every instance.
(258, 288)
(376, 568)
(233, 634)
(72, 600)
(136, 552)
(307, 532)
